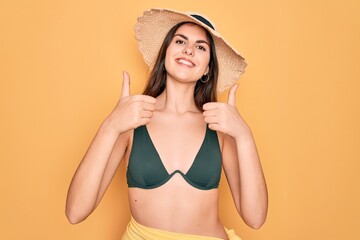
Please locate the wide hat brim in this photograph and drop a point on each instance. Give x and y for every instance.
(152, 28)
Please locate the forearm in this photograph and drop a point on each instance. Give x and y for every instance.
(84, 188)
(253, 191)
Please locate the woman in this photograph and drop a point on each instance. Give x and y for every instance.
(175, 137)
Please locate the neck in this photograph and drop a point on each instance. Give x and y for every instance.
(177, 98)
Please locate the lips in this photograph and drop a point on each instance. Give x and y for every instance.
(185, 62)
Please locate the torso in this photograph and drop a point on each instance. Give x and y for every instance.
(176, 205)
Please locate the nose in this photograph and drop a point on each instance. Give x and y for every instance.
(188, 50)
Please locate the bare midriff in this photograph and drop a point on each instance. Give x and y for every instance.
(178, 207)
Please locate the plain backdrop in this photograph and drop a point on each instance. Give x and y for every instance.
(61, 66)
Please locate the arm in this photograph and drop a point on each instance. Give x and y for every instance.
(240, 159)
(103, 157)
(245, 177)
(94, 173)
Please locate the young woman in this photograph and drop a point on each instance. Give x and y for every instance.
(175, 138)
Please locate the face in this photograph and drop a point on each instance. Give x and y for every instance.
(188, 55)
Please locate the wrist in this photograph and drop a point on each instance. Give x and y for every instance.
(243, 134)
(107, 127)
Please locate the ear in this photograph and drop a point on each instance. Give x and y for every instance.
(206, 70)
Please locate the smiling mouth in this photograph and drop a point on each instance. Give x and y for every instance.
(185, 62)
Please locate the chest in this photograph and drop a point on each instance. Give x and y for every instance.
(177, 143)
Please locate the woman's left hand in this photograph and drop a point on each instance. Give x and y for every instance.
(224, 117)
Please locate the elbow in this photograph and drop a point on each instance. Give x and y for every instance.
(77, 211)
(73, 219)
(73, 216)
(256, 224)
(254, 220)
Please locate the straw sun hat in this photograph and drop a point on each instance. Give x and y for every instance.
(152, 27)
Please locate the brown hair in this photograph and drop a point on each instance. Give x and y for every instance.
(204, 92)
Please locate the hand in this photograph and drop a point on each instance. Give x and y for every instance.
(224, 117)
(131, 111)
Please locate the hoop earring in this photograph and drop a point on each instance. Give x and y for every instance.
(206, 80)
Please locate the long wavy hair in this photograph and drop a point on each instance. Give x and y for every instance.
(204, 92)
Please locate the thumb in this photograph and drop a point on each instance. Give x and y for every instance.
(125, 92)
(232, 95)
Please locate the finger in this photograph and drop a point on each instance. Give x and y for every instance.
(143, 121)
(211, 105)
(211, 120)
(125, 91)
(146, 114)
(232, 95)
(209, 113)
(145, 98)
(214, 126)
(148, 106)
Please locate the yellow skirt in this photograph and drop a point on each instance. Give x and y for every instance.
(136, 231)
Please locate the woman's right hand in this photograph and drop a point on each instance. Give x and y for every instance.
(130, 111)
(105, 153)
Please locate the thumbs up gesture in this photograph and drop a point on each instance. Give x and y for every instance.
(224, 117)
(131, 111)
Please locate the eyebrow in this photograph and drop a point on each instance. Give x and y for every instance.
(186, 38)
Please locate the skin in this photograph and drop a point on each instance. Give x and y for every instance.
(173, 121)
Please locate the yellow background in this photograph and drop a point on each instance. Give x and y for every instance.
(60, 71)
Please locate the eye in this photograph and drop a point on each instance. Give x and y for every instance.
(202, 48)
(179, 41)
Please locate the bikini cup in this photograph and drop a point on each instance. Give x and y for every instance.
(146, 169)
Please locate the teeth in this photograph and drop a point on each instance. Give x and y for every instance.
(183, 61)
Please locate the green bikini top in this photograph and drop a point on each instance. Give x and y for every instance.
(146, 170)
